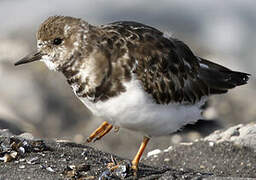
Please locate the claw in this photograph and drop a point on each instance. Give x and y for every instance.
(112, 165)
(118, 169)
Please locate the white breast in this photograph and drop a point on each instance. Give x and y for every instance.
(136, 110)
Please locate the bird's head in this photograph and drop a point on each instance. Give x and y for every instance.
(58, 39)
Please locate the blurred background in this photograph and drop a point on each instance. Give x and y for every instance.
(35, 100)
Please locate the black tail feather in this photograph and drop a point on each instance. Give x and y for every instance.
(219, 78)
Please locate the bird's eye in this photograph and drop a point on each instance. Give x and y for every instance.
(57, 41)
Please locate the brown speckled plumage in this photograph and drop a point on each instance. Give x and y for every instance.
(166, 67)
(131, 74)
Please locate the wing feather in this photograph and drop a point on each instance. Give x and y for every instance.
(168, 69)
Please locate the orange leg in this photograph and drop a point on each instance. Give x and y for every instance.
(114, 165)
(108, 128)
(136, 159)
(104, 128)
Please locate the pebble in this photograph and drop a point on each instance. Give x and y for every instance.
(34, 160)
(167, 159)
(22, 160)
(211, 144)
(168, 149)
(50, 169)
(154, 152)
(22, 166)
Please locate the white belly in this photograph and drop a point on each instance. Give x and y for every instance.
(136, 110)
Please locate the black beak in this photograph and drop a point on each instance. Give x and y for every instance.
(30, 58)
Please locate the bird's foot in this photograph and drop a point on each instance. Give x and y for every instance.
(134, 168)
(116, 172)
(120, 169)
(101, 131)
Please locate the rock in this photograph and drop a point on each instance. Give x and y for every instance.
(44, 159)
(243, 135)
(26, 135)
(154, 152)
(5, 133)
(229, 154)
(220, 160)
(64, 160)
(13, 128)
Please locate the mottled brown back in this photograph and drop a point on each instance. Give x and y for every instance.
(166, 67)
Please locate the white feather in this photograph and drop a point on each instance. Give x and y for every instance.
(136, 110)
(48, 62)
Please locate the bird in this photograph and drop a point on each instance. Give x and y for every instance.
(132, 75)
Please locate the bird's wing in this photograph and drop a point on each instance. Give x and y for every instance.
(172, 74)
(168, 69)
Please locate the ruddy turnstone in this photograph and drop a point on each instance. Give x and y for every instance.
(131, 74)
